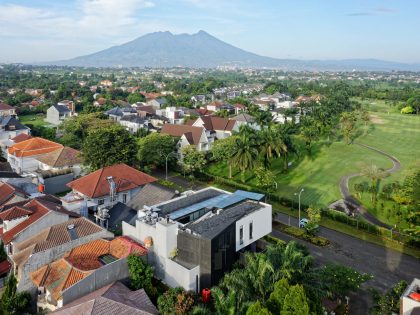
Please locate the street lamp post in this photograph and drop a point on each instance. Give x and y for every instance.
(166, 163)
(302, 190)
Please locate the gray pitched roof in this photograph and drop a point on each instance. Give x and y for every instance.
(62, 108)
(244, 117)
(120, 212)
(150, 195)
(8, 121)
(116, 111)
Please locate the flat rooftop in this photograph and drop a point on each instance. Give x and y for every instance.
(213, 225)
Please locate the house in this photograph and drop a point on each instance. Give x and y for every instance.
(233, 94)
(106, 83)
(69, 104)
(135, 123)
(99, 102)
(239, 108)
(7, 110)
(198, 99)
(20, 137)
(10, 128)
(218, 106)
(246, 119)
(56, 114)
(51, 244)
(193, 240)
(145, 111)
(151, 194)
(106, 300)
(23, 156)
(57, 168)
(117, 113)
(157, 102)
(105, 187)
(84, 269)
(189, 135)
(175, 115)
(158, 121)
(21, 220)
(410, 300)
(218, 126)
(10, 194)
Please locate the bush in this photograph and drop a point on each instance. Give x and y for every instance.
(175, 301)
(273, 240)
(301, 233)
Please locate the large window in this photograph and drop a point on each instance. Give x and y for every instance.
(241, 235)
(251, 227)
(101, 201)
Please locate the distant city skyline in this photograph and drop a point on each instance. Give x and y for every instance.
(46, 30)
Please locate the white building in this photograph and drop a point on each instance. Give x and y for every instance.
(194, 239)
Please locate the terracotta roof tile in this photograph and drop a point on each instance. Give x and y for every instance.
(33, 146)
(4, 106)
(193, 134)
(86, 256)
(218, 123)
(96, 185)
(63, 157)
(21, 137)
(14, 213)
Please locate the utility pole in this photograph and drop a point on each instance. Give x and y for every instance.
(302, 190)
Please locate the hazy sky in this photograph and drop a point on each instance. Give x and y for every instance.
(45, 30)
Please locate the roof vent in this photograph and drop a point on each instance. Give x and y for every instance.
(70, 227)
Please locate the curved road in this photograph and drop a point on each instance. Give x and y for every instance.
(345, 191)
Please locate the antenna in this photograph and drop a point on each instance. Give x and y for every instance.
(112, 189)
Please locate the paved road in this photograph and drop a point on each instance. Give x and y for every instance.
(387, 266)
(345, 191)
(179, 180)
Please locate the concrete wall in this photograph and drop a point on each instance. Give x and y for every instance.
(26, 164)
(56, 184)
(99, 278)
(179, 276)
(262, 225)
(37, 260)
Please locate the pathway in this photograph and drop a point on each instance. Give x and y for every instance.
(345, 191)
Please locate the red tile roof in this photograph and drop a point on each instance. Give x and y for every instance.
(33, 146)
(193, 134)
(4, 106)
(82, 261)
(21, 137)
(218, 123)
(63, 157)
(96, 185)
(4, 267)
(14, 213)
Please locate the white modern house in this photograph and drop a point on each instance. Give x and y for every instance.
(193, 240)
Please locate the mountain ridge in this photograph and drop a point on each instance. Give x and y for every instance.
(203, 50)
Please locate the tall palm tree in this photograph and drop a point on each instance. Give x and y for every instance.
(375, 174)
(246, 154)
(261, 274)
(224, 304)
(271, 145)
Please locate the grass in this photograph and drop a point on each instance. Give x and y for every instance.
(319, 175)
(398, 135)
(35, 120)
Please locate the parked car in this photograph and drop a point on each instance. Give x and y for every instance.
(303, 222)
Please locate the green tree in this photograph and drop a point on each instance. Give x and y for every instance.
(408, 110)
(276, 300)
(375, 174)
(360, 188)
(310, 133)
(3, 255)
(175, 301)
(257, 309)
(154, 148)
(295, 302)
(224, 303)
(223, 150)
(135, 97)
(108, 146)
(265, 179)
(13, 302)
(270, 146)
(141, 275)
(348, 126)
(192, 160)
(246, 155)
(389, 302)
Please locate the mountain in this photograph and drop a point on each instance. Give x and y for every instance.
(202, 50)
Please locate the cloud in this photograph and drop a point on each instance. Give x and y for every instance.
(374, 11)
(90, 25)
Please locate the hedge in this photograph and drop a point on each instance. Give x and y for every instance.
(301, 233)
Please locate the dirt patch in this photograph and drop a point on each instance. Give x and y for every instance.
(375, 119)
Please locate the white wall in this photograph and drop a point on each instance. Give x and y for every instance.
(262, 225)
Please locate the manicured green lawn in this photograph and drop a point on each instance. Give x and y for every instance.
(398, 135)
(36, 120)
(319, 175)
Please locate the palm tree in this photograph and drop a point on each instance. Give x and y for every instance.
(261, 273)
(375, 174)
(271, 145)
(224, 304)
(246, 153)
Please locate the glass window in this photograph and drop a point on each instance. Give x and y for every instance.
(101, 201)
(250, 230)
(241, 235)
